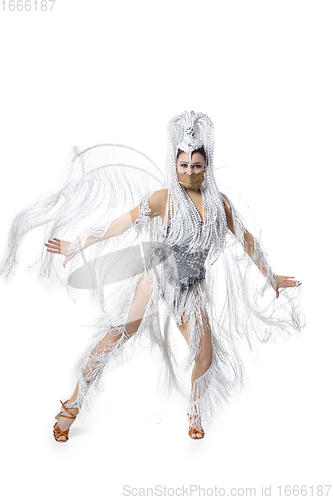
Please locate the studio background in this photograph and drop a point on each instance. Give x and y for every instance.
(98, 72)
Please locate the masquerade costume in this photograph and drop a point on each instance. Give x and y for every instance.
(151, 270)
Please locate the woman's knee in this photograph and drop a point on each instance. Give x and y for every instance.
(205, 356)
(97, 357)
(132, 327)
(204, 359)
(100, 354)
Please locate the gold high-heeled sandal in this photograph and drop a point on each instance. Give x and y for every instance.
(193, 430)
(57, 432)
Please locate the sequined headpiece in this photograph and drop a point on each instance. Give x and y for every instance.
(189, 132)
(191, 139)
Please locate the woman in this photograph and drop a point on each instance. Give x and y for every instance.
(187, 222)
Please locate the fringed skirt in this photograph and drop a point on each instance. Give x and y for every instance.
(150, 305)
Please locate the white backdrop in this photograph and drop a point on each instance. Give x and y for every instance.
(87, 73)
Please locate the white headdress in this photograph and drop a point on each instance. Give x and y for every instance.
(189, 132)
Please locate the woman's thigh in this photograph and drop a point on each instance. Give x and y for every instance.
(139, 303)
(136, 312)
(202, 322)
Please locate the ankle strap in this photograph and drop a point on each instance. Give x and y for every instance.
(72, 417)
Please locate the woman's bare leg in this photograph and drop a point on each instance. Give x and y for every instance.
(136, 313)
(203, 360)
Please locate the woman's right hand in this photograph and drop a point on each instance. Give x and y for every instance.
(59, 246)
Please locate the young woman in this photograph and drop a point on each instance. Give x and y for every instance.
(187, 225)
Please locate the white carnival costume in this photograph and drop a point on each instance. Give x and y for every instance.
(172, 259)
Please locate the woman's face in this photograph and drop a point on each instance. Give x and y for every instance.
(197, 163)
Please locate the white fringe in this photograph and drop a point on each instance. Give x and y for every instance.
(248, 312)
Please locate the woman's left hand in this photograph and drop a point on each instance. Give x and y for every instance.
(285, 282)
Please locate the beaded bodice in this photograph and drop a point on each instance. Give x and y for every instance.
(190, 265)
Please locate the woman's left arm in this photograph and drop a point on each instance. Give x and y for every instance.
(252, 248)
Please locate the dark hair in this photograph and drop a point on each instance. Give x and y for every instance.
(200, 150)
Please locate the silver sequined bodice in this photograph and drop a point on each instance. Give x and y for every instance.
(190, 265)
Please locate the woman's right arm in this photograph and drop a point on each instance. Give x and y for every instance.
(157, 203)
